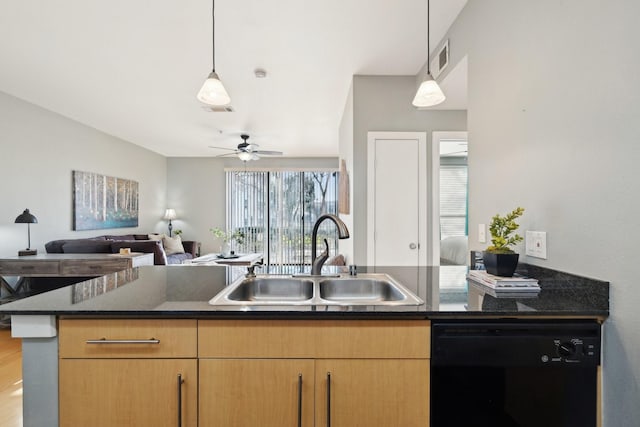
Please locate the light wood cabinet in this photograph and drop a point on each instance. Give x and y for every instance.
(256, 392)
(128, 372)
(128, 338)
(365, 373)
(237, 373)
(128, 392)
(372, 392)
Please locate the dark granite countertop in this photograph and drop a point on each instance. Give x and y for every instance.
(184, 291)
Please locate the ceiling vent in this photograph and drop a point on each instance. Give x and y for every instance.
(441, 60)
(218, 108)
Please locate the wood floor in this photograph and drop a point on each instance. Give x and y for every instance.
(10, 380)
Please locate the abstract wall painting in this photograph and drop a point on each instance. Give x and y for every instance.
(101, 201)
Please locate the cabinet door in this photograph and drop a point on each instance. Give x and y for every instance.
(256, 392)
(128, 392)
(365, 393)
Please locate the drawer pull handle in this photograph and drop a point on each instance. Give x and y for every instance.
(180, 382)
(328, 399)
(299, 400)
(95, 267)
(106, 341)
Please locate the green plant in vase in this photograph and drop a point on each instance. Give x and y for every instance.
(499, 258)
(228, 237)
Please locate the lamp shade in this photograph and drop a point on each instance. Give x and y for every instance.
(170, 214)
(429, 93)
(26, 217)
(213, 92)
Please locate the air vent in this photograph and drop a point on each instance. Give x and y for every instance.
(441, 60)
(218, 109)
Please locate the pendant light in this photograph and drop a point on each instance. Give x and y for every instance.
(212, 91)
(429, 93)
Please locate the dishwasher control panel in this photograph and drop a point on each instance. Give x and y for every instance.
(515, 343)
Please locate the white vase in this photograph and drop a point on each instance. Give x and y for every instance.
(225, 249)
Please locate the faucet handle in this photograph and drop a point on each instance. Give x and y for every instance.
(251, 270)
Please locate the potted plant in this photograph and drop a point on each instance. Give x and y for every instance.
(499, 258)
(227, 237)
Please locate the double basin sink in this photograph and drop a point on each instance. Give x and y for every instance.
(363, 289)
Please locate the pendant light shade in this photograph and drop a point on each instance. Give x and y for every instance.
(212, 91)
(429, 93)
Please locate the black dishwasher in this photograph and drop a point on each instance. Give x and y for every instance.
(514, 373)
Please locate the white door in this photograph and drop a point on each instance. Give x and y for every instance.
(397, 198)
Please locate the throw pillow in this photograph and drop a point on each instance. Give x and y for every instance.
(158, 237)
(172, 245)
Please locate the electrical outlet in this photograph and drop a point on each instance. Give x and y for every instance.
(535, 243)
(482, 233)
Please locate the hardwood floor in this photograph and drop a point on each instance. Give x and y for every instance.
(10, 380)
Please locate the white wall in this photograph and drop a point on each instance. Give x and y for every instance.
(383, 103)
(38, 151)
(553, 120)
(196, 189)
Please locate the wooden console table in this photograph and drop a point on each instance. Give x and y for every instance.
(67, 265)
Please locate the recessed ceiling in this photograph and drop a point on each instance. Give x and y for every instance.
(132, 68)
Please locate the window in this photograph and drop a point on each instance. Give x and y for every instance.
(453, 200)
(276, 211)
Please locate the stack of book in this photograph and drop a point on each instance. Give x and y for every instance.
(512, 285)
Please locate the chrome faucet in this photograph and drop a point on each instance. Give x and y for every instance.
(343, 233)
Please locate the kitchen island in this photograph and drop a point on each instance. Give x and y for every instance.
(174, 300)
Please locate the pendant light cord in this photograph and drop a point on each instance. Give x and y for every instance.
(213, 36)
(428, 47)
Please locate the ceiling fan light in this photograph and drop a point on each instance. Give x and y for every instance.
(213, 92)
(428, 94)
(245, 156)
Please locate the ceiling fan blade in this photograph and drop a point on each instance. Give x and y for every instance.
(222, 148)
(227, 154)
(268, 153)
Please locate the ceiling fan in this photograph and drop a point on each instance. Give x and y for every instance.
(246, 151)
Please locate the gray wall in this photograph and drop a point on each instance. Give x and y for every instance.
(553, 127)
(39, 149)
(196, 189)
(345, 145)
(383, 103)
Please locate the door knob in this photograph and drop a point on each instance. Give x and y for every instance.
(412, 246)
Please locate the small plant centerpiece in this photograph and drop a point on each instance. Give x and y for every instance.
(499, 258)
(227, 237)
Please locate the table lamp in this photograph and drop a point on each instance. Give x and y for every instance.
(170, 214)
(27, 217)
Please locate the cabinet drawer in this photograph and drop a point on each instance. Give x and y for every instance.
(121, 338)
(314, 339)
(256, 338)
(93, 268)
(375, 339)
(38, 268)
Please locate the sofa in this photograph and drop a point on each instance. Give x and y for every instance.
(165, 250)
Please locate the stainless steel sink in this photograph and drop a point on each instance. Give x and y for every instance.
(278, 290)
(364, 289)
(360, 290)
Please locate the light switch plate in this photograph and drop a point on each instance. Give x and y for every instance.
(535, 243)
(482, 234)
